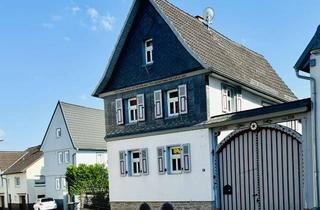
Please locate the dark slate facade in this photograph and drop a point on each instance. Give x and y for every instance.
(169, 56)
(197, 108)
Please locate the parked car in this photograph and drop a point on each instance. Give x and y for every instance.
(45, 204)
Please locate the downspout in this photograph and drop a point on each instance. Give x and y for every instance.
(7, 191)
(215, 164)
(314, 99)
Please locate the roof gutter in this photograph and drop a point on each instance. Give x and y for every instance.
(314, 105)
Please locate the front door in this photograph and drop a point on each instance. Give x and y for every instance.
(2, 207)
(23, 203)
(261, 169)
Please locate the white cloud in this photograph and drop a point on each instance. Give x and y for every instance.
(100, 22)
(75, 9)
(93, 14)
(67, 39)
(56, 18)
(2, 134)
(107, 22)
(47, 25)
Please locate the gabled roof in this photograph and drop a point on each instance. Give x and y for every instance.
(303, 62)
(30, 156)
(8, 158)
(86, 126)
(213, 50)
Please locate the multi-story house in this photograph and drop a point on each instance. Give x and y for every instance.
(75, 135)
(25, 180)
(168, 74)
(6, 160)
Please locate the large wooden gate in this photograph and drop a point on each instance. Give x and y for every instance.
(261, 169)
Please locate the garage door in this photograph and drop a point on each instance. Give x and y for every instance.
(261, 168)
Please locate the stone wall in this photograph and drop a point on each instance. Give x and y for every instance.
(181, 205)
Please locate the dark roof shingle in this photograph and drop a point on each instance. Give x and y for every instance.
(224, 56)
(86, 126)
(8, 158)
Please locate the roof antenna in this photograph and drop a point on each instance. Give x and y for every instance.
(208, 15)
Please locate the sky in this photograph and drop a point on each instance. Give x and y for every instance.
(58, 50)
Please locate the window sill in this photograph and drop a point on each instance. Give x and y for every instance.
(173, 116)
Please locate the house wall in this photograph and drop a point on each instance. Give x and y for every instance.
(169, 56)
(197, 108)
(53, 170)
(249, 100)
(50, 147)
(32, 173)
(14, 190)
(155, 187)
(90, 157)
(27, 185)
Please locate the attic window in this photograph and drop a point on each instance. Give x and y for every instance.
(58, 132)
(148, 46)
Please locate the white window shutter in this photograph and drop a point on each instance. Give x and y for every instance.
(224, 100)
(186, 158)
(141, 109)
(239, 102)
(158, 104)
(119, 111)
(123, 167)
(183, 99)
(161, 160)
(144, 162)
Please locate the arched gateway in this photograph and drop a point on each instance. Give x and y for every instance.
(261, 168)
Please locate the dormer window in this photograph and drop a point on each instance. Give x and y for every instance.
(133, 111)
(148, 46)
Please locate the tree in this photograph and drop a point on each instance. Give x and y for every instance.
(89, 179)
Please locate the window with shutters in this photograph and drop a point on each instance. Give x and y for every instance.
(148, 46)
(133, 110)
(173, 103)
(135, 163)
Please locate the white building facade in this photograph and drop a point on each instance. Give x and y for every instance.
(161, 104)
(24, 181)
(74, 136)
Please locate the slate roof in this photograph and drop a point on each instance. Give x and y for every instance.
(86, 126)
(214, 51)
(30, 156)
(8, 158)
(303, 61)
(224, 56)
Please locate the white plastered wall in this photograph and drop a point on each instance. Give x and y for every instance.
(194, 186)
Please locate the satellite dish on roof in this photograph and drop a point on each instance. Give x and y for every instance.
(208, 15)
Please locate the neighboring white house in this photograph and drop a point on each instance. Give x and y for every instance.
(75, 135)
(6, 160)
(169, 80)
(25, 180)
